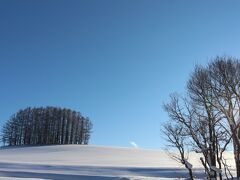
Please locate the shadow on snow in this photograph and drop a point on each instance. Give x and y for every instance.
(61, 172)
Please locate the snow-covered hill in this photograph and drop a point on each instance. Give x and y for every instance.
(72, 162)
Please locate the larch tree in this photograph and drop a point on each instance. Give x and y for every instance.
(50, 125)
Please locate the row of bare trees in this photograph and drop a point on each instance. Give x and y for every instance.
(50, 125)
(206, 119)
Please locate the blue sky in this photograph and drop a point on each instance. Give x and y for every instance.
(114, 61)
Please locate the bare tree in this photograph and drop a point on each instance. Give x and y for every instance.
(176, 138)
(224, 73)
(211, 113)
(187, 115)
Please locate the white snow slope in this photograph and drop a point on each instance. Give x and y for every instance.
(74, 162)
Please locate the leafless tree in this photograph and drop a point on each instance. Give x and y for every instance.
(210, 113)
(224, 73)
(176, 138)
(188, 115)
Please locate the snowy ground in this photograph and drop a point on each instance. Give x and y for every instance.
(74, 162)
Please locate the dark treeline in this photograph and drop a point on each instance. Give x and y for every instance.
(50, 125)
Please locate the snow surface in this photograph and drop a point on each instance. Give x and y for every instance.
(74, 162)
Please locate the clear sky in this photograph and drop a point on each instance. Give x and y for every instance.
(114, 61)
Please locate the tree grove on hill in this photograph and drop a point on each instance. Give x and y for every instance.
(50, 125)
